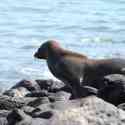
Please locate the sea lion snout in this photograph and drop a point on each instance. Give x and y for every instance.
(41, 53)
(40, 56)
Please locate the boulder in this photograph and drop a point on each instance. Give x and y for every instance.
(31, 85)
(17, 92)
(3, 117)
(9, 103)
(41, 93)
(85, 111)
(50, 85)
(18, 117)
(114, 92)
(38, 101)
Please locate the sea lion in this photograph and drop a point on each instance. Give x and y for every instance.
(64, 64)
(74, 68)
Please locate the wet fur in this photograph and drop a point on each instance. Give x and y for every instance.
(74, 68)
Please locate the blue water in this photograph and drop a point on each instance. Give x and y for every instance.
(92, 27)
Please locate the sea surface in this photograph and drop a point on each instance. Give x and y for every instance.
(92, 27)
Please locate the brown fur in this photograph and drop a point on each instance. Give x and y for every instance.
(74, 68)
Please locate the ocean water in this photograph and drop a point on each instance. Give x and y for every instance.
(92, 27)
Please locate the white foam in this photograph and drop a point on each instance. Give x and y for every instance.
(97, 39)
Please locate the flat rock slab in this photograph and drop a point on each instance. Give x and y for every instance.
(86, 111)
(91, 111)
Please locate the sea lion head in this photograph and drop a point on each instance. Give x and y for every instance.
(42, 52)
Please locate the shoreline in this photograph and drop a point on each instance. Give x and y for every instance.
(43, 101)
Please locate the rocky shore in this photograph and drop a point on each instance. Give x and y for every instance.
(49, 102)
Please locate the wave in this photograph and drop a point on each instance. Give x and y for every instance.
(97, 40)
(37, 74)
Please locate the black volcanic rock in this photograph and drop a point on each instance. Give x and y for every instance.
(9, 103)
(114, 92)
(41, 93)
(88, 91)
(3, 117)
(17, 116)
(30, 85)
(53, 104)
(85, 111)
(38, 101)
(50, 85)
(17, 92)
